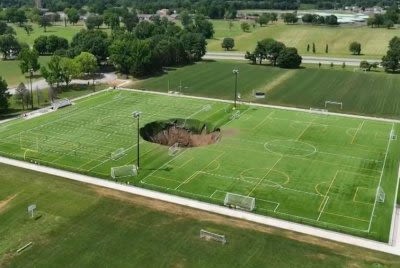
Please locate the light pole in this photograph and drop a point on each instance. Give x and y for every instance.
(30, 80)
(235, 72)
(136, 114)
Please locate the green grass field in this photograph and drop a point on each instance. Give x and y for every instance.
(10, 71)
(374, 42)
(85, 226)
(370, 93)
(57, 29)
(299, 166)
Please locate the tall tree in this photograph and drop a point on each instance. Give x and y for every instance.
(131, 56)
(355, 48)
(391, 60)
(9, 46)
(4, 95)
(93, 41)
(130, 19)
(288, 58)
(44, 22)
(52, 73)
(22, 96)
(29, 60)
(73, 15)
(87, 63)
(93, 21)
(228, 43)
(69, 70)
(186, 20)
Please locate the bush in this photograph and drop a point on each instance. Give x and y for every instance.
(289, 58)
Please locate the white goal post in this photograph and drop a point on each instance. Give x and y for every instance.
(380, 195)
(60, 103)
(174, 149)
(240, 201)
(117, 154)
(123, 171)
(393, 135)
(339, 103)
(212, 236)
(235, 115)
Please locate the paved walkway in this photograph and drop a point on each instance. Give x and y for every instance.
(296, 227)
(306, 59)
(42, 84)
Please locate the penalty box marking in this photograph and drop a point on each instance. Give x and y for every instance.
(198, 171)
(355, 196)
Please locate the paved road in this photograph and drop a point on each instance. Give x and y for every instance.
(42, 84)
(306, 59)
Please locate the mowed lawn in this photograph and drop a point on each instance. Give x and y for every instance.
(10, 71)
(278, 157)
(80, 225)
(57, 29)
(366, 93)
(374, 42)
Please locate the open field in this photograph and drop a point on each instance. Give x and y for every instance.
(87, 226)
(11, 72)
(299, 166)
(370, 93)
(73, 91)
(57, 29)
(374, 42)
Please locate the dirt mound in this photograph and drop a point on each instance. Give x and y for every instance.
(187, 133)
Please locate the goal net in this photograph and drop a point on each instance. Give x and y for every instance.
(174, 149)
(60, 103)
(117, 154)
(334, 103)
(380, 195)
(240, 201)
(393, 135)
(235, 115)
(212, 236)
(123, 171)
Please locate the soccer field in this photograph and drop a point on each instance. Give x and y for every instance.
(311, 168)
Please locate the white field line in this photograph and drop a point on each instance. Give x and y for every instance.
(265, 220)
(269, 171)
(266, 105)
(199, 171)
(326, 197)
(304, 131)
(358, 129)
(380, 180)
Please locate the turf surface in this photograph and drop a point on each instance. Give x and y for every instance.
(374, 41)
(367, 93)
(299, 166)
(78, 225)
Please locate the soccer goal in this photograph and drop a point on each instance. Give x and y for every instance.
(235, 115)
(393, 135)
(174, 149)
(212, 236)
(380, 195)
(240, 201)
(60, 103)
(334, 103)
(117, 154)
(123, 171)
